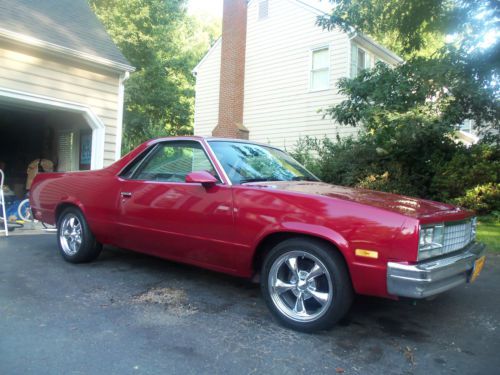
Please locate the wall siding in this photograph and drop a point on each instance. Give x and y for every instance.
(279, 107)
(206, 107)
(33, 74)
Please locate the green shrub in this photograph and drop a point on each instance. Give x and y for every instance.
(482, 198)
(468, 168)
(423, 165)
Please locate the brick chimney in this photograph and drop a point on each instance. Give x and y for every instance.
(232, 71)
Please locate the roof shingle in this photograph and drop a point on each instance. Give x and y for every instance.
(66, 23)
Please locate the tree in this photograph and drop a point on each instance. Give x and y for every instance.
(411, 26)
(408, 114)
(164, 44)
(456, 82)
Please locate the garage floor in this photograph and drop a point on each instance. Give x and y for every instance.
(133, 314)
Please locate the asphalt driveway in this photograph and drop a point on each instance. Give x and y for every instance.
(128, 313)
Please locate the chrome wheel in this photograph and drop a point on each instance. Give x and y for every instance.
(71, 234)
(300, 286)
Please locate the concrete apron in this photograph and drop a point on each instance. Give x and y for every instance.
(30, 228)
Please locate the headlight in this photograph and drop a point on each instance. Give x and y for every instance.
(431, 240)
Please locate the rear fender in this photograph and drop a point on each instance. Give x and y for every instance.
(67, 202)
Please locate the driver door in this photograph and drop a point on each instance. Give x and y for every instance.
(161, 214)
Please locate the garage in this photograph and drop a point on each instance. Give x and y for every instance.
(61, 89)
(30, 133)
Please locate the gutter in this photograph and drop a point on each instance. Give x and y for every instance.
(68, 52)
(354, 35)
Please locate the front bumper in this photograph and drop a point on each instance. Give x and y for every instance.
(432, 277)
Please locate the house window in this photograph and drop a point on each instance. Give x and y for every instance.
(263, 9)
(360, 60)
(320, 69)
(466, 126)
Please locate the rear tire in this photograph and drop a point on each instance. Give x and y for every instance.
(76, 242)
(306, 285)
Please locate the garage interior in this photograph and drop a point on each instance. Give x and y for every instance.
(29, 132)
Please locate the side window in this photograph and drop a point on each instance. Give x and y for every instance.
(172, 161)
(130, 169)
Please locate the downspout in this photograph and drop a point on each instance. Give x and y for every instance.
(119, 121)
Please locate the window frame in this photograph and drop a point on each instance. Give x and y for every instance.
(369, 59)
(363, 53)
(259, 16)
(150, 152)
(312, 70)
(470, 127)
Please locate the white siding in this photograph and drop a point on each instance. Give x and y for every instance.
(40, 76)
(279, 105)
(206, 107)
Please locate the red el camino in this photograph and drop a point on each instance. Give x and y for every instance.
(250, 210)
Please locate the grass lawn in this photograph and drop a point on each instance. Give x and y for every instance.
(488, 232)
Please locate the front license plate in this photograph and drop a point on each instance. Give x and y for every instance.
(478, 266)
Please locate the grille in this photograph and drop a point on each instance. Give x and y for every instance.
(457, 236)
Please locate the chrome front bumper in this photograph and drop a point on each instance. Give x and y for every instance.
(432, 277)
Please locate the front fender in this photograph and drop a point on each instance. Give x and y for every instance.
(312, 230)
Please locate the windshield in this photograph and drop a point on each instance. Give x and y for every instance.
(247, 162)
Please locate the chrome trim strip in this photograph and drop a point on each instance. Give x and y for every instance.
(212, 154)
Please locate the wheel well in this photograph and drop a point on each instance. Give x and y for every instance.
(273, 239)
(61, 208)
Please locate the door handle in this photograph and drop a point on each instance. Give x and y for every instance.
(126, 194)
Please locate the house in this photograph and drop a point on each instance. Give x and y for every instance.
(61, 87)
(273, 70)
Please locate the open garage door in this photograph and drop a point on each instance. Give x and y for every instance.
(32, 128)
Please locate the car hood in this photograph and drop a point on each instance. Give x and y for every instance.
(408, 206)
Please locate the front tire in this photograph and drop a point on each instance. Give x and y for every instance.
(76, 242)
(306, 285)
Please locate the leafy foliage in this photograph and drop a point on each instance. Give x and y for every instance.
(482, 198)
(408, 115)
(412, 26)
(468, 168)
(426, 94)
(453, 173)
(164, 44)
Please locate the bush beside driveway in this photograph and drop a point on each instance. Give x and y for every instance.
(129, 313)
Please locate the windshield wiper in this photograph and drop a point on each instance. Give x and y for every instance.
(303, 178)
(256, 180)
